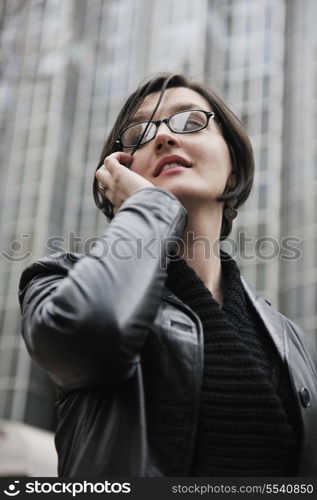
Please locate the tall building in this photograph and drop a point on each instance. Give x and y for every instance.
(249, 73)
(262, 55)
(67, 67)
(298, 290)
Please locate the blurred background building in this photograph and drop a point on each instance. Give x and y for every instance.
(67, 67)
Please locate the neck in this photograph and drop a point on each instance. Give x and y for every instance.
(201, 247)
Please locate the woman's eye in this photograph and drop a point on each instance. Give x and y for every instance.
(193, 123)
(133, 134)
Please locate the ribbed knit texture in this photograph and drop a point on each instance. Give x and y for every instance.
(248, 423)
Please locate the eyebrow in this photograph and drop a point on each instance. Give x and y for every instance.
(183, 106)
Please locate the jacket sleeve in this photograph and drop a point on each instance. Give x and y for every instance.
(84, 320)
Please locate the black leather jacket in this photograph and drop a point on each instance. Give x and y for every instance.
(127, 354)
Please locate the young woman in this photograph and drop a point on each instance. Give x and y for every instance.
(164, 359)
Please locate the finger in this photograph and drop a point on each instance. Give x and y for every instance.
(123, 158)
(103, 174)
(101, 189)
(118, 159)
(105, 190)
(104, 179)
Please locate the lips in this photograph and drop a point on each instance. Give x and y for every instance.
(173, 160)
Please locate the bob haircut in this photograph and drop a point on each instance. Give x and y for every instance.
(237, 140)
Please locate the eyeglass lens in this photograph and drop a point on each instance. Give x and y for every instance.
(182, 122)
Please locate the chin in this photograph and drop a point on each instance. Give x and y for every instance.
(189, 193)
(180, 190)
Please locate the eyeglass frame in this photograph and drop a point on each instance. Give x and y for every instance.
(157, 123)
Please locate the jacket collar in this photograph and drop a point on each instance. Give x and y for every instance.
(272, 321)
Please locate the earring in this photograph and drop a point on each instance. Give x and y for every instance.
(230, 212)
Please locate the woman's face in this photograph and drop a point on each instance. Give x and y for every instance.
(205, 152)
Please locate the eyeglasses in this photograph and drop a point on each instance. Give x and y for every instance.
(182, 122)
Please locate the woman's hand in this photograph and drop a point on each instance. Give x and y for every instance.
(117, 182)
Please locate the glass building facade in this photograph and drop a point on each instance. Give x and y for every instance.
(67, 67)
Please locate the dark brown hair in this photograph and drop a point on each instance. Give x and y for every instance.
(237, 140)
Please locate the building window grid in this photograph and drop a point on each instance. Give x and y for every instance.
(103, 216)
(25, 127)
(33, 40)
(84, 107)
(25, 96)
(256, 92)
(8, 361)
(11, 313)
(93, 145)
(10, 346)
(41, 97)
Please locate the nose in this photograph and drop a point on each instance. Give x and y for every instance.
(165, 138)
